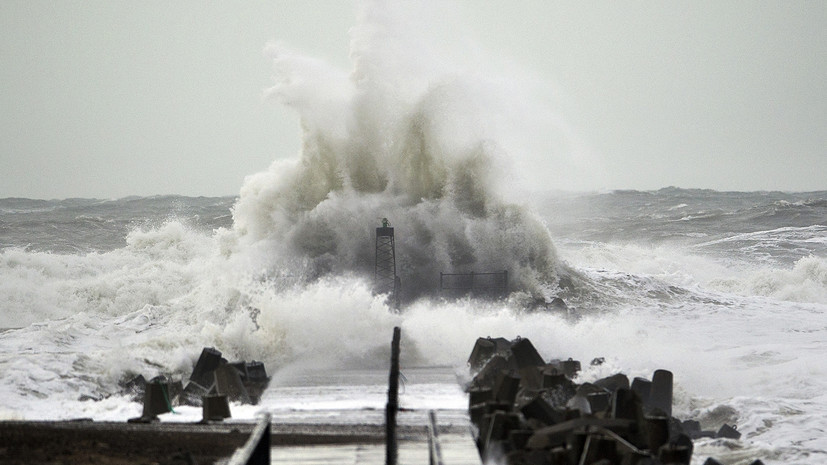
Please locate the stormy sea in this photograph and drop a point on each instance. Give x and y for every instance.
(728, 290)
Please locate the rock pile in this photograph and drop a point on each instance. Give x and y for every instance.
(213, 383)
(529, 411)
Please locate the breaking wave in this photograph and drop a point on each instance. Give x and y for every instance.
(414, 142)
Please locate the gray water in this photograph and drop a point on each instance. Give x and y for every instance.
(728, 290)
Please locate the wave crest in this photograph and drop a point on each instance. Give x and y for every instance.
(418, 148)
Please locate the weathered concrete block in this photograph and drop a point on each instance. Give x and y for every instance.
(604, 422)
(558, 456)
(478, 412)
(728, 432)
(192, 394)
(555, 435)
(691, 426)
(209, 360)
(490, 373)
(475, 413)
(677, 451)
(499, 424)
(517, 438)
(215, 407)
(507, 387)
(479, 395)
(559, 396)
(134, 387)
(487, 347)
(255, 380)
(599, 402)
(569, 367)
(588, 388)
(657, 432)
(660, 396)
(581, 403)
(525, 354)
(256, 371)
(228, 381)
(626, 404)
(539, 409)
(156, 401)
(553, 377)
(614, 382)
(483, 350)
(642, 387)
(674, 454)
(597, 449)
(532, 377)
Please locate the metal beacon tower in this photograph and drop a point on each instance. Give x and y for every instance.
(385, 280)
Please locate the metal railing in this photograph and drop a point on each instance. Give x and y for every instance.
(256, 451)
(391, 448)
(434, 448)
(494, 284)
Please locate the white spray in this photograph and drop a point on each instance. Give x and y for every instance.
(408, 135)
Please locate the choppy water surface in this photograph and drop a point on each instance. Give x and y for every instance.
(736, 312)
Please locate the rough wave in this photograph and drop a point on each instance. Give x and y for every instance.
(412, 142)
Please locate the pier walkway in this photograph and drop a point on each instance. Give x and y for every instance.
(324, 417)
(317, 416)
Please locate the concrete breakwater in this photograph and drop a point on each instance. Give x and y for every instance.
(527, 411)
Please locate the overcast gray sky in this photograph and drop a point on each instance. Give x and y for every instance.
(113, 98)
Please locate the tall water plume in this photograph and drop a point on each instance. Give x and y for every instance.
(409, 134)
